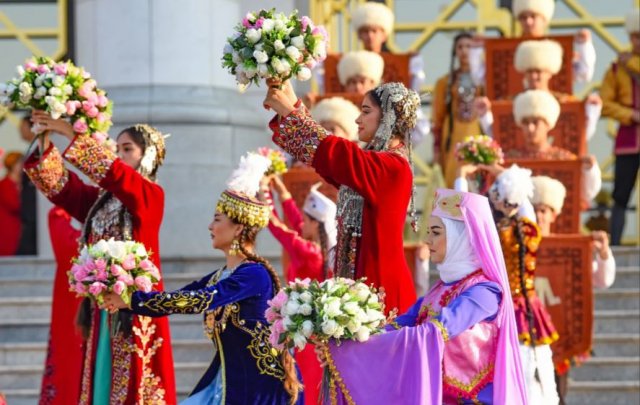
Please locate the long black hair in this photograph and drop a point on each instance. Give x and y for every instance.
(451, 81)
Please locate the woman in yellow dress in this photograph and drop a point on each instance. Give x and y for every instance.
(454, 96)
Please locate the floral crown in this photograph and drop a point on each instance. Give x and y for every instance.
(239, 201)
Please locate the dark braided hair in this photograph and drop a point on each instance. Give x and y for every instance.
(324, 249)
(292, 384)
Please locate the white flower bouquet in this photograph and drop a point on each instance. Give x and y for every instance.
(267, 44)
(112, 266)
(63, 90)
(338, 308)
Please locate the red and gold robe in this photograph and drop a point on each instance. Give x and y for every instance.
(142, 363)
(383, 179)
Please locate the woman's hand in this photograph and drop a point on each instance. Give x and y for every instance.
(60, 126)
(113, 302)
(494, 168)
(278, 186)
(280, 97)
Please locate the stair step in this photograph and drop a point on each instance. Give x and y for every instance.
(627, 278)
(597, 392)
(616, 345)
(617, 298)
(184, 351)
(37, 329)
(608, 369)
(612, 321)
(626, 256)
(23, 377)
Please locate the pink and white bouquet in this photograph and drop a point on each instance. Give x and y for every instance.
(278, 160)
(267, 44)
(63, 90)
(112, 266)
(310, 311)
(479, 149)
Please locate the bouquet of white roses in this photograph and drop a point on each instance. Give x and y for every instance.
(267, 44)
(63, 90)
(112, 266)
(338, 308)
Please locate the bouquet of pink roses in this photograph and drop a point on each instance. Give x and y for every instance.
(112, 266)
(267, 44)
(63, 90)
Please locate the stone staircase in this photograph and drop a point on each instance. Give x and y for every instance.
(611, 377)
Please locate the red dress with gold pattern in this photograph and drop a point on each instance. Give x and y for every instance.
(129, 207)
(383, 179)
(545, 331)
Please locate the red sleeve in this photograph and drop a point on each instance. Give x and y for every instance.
(10, 196)
(293, 215)
(64, 238)
(338, 160)
(137, 193)
(60, 186)
(292, 242)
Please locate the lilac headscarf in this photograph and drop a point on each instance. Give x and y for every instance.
(474, 210)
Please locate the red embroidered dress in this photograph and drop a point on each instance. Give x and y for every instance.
(141, 372)
(383, 179)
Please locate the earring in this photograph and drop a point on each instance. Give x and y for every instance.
(235, 248)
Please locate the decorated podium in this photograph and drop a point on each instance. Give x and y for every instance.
(503, 81)
(564, 284)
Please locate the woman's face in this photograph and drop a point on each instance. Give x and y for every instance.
(359, 84)
(128, 150)
(462, 51)
(436, 240)
(335, 129)
(223, 231)
(369, 120)
(310, 228)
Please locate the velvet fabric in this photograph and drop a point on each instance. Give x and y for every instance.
(246, 377)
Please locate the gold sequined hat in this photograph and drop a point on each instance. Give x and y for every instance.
(239, 201)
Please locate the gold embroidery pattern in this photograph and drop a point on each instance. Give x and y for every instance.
(87, 370)
(443, 330)
(335, 379)
(394, 325)
(300, 136)
(179, 302)
(510, 248)
(121, 348)
(482, 375)
(90, 157)
(49, 176)
(268, 358)
(150, 390)
(450, 205)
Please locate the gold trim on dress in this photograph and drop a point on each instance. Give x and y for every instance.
(49, 175)
(443, 330)
(150, 390)
(90, 157)
(179, 302)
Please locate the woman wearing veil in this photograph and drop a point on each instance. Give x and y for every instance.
(375, 182)
(456, 345)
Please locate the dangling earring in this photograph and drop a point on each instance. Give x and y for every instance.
(235, 248)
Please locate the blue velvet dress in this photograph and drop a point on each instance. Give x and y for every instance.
(246, 369)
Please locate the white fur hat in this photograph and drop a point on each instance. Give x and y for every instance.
(339, 110)
(514, 185)
(544, 55)
(376, 14)
(632, 22)
(536, 103)
(322, 209)
(364, 63)
(548, 191)
(543, 7)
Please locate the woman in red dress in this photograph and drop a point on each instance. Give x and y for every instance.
(128, 358)
(61, 385)
(375, 182)
(10, 204)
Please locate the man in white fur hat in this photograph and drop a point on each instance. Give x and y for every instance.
(538, 61)
(534, 17)
(338, 116)
(548, 199)
(373, 22)
(621, 102)
(360, 71)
